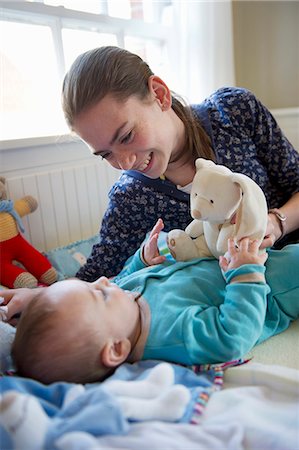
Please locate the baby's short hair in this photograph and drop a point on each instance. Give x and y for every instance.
(45, 350)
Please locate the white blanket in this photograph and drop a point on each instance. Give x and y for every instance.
(258, 409)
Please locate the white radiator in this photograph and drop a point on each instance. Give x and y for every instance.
(71, 202)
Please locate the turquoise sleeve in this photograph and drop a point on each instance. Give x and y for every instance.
(228, 331)
(243, 270)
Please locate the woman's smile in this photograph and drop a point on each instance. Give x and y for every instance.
(147, 164)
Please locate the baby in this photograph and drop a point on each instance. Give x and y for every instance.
(185, 312)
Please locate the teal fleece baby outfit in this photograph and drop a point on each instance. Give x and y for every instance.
(191, 314)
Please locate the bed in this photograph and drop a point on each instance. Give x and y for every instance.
(251, 403)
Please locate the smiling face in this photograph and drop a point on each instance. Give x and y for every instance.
(134, 134)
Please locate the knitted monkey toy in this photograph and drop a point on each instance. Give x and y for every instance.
(13, 247)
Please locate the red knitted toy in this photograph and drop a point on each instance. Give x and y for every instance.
(13, 247)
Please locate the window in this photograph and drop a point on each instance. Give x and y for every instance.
(78, 41)
(40, 40)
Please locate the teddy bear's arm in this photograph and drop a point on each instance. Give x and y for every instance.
(195, 228)
(25, 205)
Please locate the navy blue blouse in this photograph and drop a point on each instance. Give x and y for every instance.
(245, 138)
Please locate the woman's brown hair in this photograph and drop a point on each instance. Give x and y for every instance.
(116, 71)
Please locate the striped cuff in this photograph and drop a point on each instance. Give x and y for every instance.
(142, 256)
(248, 273)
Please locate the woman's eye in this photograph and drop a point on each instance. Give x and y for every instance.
(105, 155)
(126, 138)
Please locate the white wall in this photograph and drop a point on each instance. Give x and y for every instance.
(288, 120)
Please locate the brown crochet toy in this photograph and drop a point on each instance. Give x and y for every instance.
(13, 247)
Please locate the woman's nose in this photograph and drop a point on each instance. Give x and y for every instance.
(126, 161)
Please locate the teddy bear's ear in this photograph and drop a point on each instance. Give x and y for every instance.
(2, 180)
(252, 215)
(202, 163)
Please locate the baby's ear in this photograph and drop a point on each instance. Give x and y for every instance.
(115, 352)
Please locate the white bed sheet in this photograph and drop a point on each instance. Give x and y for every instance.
(282, 349)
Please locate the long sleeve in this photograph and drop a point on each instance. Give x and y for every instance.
(247, 139)
(274, 149)
(201, 318)
(228, 331)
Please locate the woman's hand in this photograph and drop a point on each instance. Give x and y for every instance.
(273, 232)
(247, 252)
(14, 301)
(150, 251)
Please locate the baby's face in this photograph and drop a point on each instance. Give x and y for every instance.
(100, 304)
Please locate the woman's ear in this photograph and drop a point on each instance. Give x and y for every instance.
(115, 353)
(161, 92)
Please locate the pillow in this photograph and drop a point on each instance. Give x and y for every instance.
(67, 260)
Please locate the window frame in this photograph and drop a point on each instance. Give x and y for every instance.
(59, 17)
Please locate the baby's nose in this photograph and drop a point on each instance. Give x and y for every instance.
(103, 281)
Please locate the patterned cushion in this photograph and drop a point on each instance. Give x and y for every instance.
(67, 260)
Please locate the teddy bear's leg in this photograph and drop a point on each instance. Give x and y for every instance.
(35, 262)
(49, 277)
(24, 419)
(25, 279)
(181, 246)
(15, 277)
(202, 247)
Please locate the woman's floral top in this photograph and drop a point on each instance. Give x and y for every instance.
(245, 137)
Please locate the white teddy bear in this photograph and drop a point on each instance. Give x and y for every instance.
(223, 204)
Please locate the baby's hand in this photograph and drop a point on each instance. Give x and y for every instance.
(247, 252)
(150, 251)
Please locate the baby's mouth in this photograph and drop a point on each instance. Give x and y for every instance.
(145, 165)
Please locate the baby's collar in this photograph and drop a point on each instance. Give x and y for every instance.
(145, 315)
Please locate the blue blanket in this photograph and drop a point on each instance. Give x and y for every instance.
(96, 411)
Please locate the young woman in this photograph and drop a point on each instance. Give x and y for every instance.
(128, 116)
